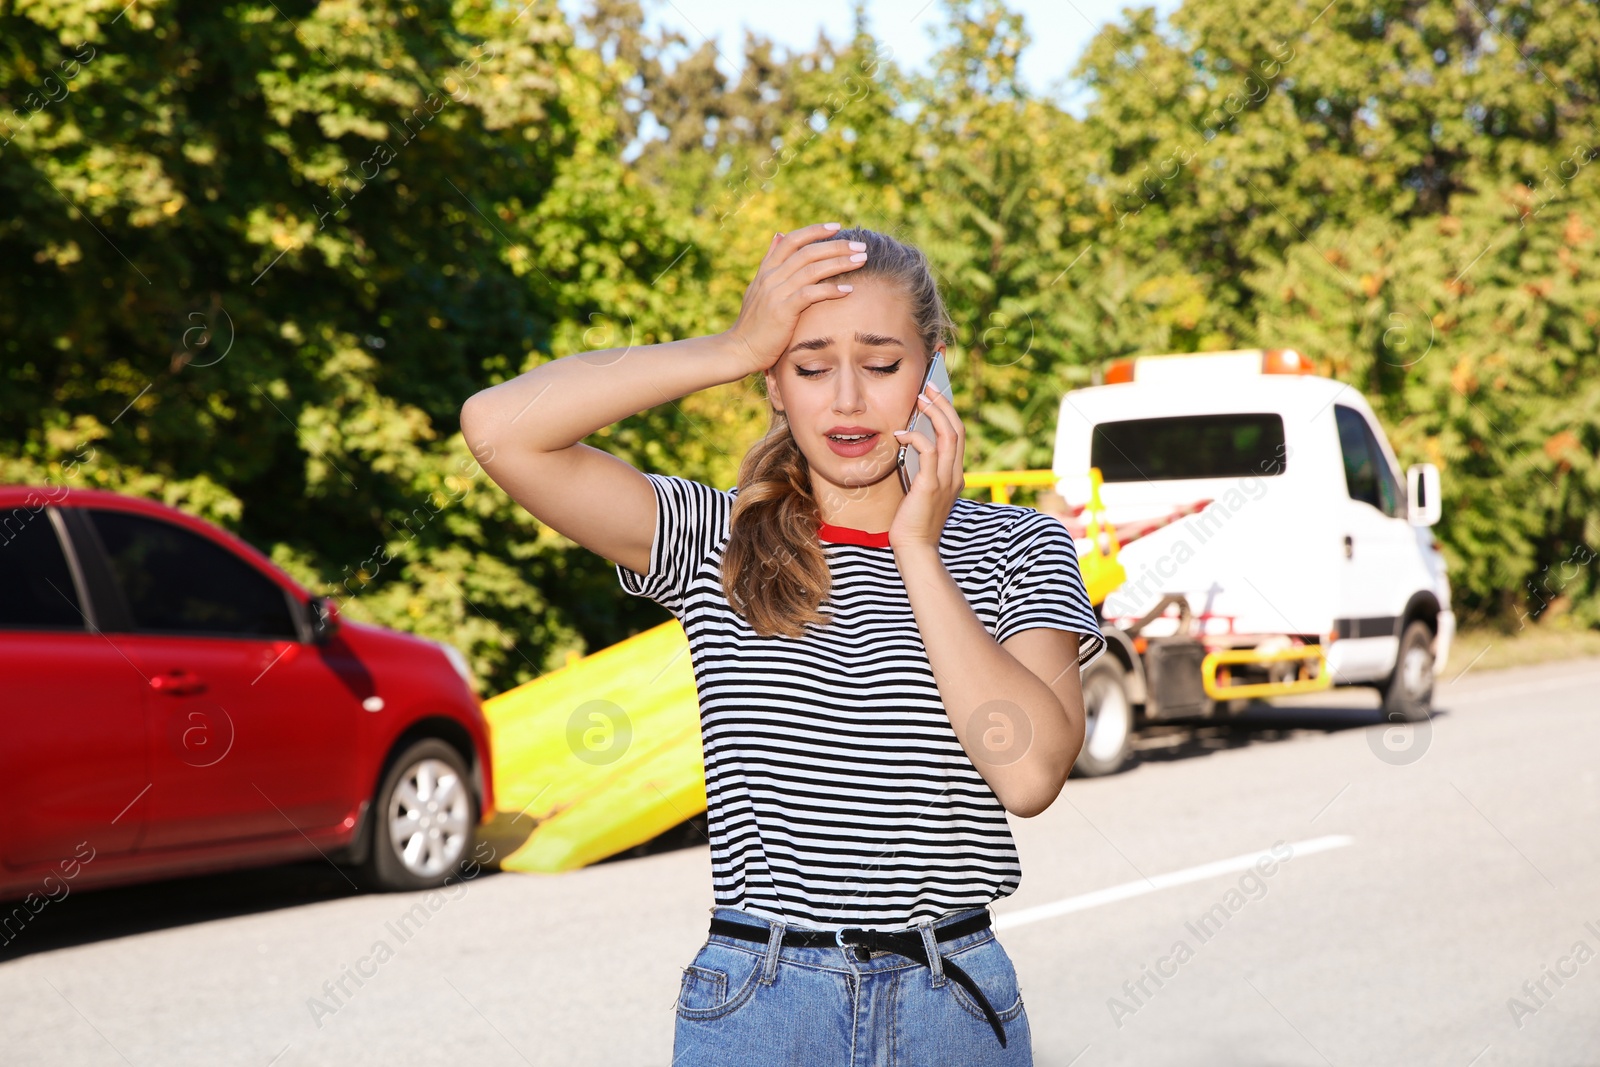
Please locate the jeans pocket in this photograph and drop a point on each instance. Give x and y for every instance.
(718, 981)
(703, 988)
(991, 970)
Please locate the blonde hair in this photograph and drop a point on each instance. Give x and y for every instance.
(774, 571)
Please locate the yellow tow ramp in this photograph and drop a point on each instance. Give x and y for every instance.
(600, 755)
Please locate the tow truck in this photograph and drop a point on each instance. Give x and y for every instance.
(1243, 532)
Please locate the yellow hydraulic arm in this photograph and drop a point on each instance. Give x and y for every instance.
(1102, 574)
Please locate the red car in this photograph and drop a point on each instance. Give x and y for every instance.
(173, 703)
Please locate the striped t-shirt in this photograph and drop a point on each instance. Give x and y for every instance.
(837, 791)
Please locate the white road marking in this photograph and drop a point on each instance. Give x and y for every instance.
(1127, 890)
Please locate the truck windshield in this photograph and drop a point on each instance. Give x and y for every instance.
(1189, 446)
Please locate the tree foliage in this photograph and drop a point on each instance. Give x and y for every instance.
(257, 254)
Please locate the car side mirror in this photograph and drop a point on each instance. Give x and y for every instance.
(1422, 494)
(324, 618)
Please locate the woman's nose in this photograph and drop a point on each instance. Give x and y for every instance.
(847, 398)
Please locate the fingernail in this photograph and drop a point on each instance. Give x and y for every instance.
(858, 246)
(830, 225)
(847, 288)
(897, 433)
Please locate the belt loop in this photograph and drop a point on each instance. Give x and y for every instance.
(930, 944)
(769, 966)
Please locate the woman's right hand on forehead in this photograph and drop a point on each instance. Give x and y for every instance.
(790, 280)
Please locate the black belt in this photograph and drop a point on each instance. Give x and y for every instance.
(905, 944)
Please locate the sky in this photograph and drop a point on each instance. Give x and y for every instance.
(1061, 29)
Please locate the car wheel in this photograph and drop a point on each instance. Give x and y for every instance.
(1408, 692)
(1108, 721)
(1228, 710)
(423, 819)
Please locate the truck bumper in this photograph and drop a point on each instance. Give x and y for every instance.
(1444, 639)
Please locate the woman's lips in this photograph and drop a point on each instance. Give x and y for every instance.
(853, 448)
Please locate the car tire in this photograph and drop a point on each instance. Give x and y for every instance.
(423, 818)
(1108, 721)
(1408, 691)
(1229, 710)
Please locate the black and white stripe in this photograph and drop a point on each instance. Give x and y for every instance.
(838, 793)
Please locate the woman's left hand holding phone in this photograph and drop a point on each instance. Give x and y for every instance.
(922, 513)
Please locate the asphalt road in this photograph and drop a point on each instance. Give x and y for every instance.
(1440, 905)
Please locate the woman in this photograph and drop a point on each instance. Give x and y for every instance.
(882, 675)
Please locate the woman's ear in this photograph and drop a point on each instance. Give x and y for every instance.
(772, 389)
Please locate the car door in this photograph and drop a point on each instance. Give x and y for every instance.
(74, 762)
(1376, 551)
(247, 737)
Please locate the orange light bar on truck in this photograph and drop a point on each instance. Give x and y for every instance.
(1119, 370)
(1174, 366)
(1284, 361)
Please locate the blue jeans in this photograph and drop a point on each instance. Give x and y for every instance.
(743, 1004)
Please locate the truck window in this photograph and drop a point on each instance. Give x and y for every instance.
(1367, 476)
(1189, 446)
(1389, 490)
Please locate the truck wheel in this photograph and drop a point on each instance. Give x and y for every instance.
(1108, 721)
(423, 817)
(1408, 692)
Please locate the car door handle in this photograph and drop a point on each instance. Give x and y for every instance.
(178, 683)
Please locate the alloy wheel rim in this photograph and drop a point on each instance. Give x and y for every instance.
(429, 817)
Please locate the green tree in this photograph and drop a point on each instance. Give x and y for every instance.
(260, 256)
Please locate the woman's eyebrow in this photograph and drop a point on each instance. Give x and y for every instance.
(876, 340)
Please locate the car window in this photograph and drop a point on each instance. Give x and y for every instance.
(1361, 460)
(36, 587)
(179, 582)
(1189, 446)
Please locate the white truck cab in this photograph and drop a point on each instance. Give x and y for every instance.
(1310, 536)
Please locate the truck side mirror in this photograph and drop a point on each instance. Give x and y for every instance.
(1422, 494)
(324, 618)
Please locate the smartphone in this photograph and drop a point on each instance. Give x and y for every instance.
(909, 458)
